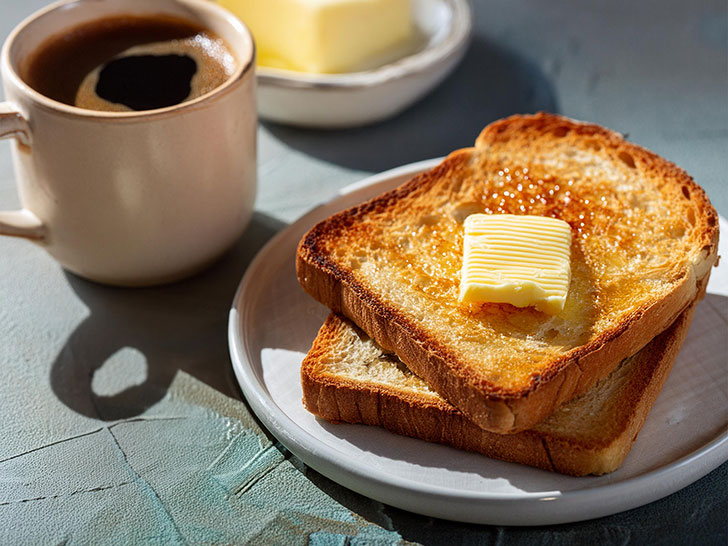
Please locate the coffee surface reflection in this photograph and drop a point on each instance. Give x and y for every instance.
(126, 63)
(143, 82)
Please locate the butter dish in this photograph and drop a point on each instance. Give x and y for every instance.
(353, 99)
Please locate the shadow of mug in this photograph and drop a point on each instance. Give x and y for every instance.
(182, 326)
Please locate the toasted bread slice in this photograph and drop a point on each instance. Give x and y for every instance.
(346, 377)
(644, 236)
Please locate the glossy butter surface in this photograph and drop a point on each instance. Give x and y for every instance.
(323, 36)
(521, 260)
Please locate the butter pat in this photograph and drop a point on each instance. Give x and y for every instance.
(323, 36)
(521, 260)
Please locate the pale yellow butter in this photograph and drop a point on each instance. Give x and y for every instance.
(521, 260)
(323, 36)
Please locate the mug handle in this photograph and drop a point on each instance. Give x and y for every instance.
(20, 223)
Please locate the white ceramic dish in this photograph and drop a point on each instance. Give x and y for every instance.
(273, 322)
(358, 98)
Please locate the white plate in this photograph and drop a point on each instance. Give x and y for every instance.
(358, 98)
(273, 322)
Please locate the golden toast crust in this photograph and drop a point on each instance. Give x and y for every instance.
(493, 399)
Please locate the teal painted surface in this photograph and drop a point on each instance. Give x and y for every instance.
(193, 469)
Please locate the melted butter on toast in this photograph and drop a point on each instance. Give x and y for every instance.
(523, 260)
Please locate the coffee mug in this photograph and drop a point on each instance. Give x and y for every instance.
(131, 198)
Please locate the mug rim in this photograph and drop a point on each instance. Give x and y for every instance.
(47, 103)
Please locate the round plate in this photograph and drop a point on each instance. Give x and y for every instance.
(273, 322)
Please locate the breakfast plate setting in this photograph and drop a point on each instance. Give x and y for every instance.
(273, 322)
(529, 331)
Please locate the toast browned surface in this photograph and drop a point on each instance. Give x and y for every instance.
(644, 236)
(346, 377)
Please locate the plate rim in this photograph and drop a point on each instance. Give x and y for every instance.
(466, 506)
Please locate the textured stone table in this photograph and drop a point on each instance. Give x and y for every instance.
(121, 419)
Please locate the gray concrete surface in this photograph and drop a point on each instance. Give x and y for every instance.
(657, 70)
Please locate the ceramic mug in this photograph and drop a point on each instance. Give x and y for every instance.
(131, 198)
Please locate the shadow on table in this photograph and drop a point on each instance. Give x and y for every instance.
(182, 326)
(490, 83)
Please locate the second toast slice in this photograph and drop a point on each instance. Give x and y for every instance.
(346, 377)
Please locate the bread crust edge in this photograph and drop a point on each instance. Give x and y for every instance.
(339, 400)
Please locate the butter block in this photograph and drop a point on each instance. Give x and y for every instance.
(323, 36)
(521, 260)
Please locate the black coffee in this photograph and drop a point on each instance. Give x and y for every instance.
(145, 82)
(129, 62)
